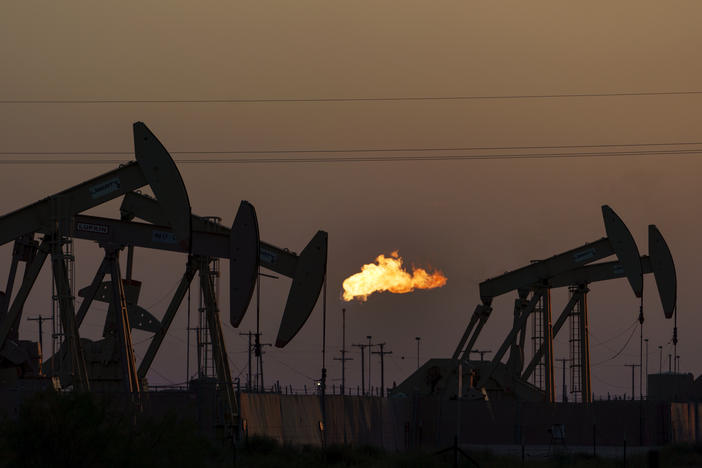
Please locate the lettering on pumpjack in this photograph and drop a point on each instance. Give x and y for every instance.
(102, 189)
(584, 255)
(267, 256)
(96, 228)
(165, 237)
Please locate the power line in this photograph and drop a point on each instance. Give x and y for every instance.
(462, 157)
(619, 352)
(620, 333)
(358, 150)
(350, 99)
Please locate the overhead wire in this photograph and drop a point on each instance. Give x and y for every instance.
(504, 156)
(293, 369)
(363, 150)
(374, 159)
(633, 331)
(166, 295)
(597, 343)
(612, 338)
(354, 99)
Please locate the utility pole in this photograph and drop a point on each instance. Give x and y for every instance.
(39, 319)
(257, 342)
(565, 389)
(343, 357)
(646, 341)
(250, 334)
(418, 340)
(370, 387)
(362, 346)
(323, 378)
(258, 352)
(481, 352)
(633, 368)
(382, 354)
(641, 322)
(675, 340)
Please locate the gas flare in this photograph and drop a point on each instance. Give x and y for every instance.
(387, 274)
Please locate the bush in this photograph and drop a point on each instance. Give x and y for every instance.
(77, 430)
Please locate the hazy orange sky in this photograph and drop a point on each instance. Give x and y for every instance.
(472, 219)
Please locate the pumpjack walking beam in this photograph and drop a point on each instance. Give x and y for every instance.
(153, 167)
(619, 242)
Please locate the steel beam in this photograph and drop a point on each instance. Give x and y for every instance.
(597, 272)
(548, 347)
(121, 317)
(516, 351)
(469, 329)
(68, 318)
(542, 270)
(585, 383)
(484, 315)
(281, 261)
(154, 166)
(567, 310)
(218, 348)
(207, 243)
(37, 217)
(485, 376)
(7, 294)
(173, 306)
(91, 291)
(14, 314)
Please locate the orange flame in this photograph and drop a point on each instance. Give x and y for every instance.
(388, 275)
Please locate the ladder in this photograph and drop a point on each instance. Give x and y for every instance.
(575, 350)
(68, 258)
(206, 364)
(537, 340)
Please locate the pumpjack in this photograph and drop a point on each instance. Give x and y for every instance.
(576, 269)
(109, 364)
(50, 216)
